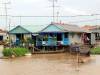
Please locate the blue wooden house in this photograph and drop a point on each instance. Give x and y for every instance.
(58, 36)
(20, 34)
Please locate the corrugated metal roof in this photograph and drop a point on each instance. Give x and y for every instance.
(70, 28)
(27, 29)
(19, 29)
(3, 31)
(34, 28)
(88, 27)
(95, 30)
(40, 28)
(92, 29)
(67, 28)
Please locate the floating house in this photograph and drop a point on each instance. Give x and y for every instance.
(51, 37)
(93, 32)
(58, 36)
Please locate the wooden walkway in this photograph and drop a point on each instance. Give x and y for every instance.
(84, 50)
(48, 52)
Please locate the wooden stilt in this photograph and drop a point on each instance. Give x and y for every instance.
(63, 47)
(56, 48)
(43, 48)
(77, 58)
(33, 49)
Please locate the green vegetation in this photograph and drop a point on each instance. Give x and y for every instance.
(20, 51)
(95, 50)
(7, 52)
(30, 40)
(15, 51)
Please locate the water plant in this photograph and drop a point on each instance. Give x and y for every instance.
(17, 51)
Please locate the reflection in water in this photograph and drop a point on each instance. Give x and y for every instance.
(49, 64)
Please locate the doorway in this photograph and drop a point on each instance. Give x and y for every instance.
(19, 38)
(1, 38)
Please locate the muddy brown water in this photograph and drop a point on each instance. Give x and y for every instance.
(49, 64)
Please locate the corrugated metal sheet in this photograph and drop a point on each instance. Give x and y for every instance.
(46, 28)
(52, 28)
(64, 28)
(95, 30)
(27, 29)
(34, 28)
(19, 29)
(70, 28)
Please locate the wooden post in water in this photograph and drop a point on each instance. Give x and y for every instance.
(77, 58)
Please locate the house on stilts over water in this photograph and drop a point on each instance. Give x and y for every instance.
(55, 36)
(59, 36)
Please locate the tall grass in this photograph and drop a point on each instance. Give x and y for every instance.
(95, 50)
(7, 52)
(15, 51)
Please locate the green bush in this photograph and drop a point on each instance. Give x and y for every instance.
(95, 50)
(7, 52)
(20, 51)
(15, 51)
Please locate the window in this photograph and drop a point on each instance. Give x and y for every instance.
(45, 37)
(1, 38)
(51, 35)
(66, 35)
(59, 37)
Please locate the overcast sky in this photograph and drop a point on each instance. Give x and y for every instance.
(43, 8)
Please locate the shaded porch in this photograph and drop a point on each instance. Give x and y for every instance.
(52, 41)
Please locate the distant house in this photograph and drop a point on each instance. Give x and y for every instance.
(95, 32)
(3, 35)
(19, 34)
(88, 27)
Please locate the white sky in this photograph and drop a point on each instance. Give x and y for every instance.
(43, 8)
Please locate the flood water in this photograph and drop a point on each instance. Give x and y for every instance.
(49, 64)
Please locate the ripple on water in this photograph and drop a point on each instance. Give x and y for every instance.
(49, 64)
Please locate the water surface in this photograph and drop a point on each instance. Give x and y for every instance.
(49, 64)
